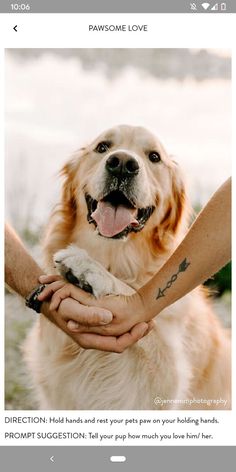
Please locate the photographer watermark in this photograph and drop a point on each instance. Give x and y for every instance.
(190, 401)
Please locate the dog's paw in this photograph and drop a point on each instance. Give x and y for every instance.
(78, 268)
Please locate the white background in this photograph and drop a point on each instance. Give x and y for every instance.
(180, 31)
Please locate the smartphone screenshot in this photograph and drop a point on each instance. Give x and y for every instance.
(116, 134)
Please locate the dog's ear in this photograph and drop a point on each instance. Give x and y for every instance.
(176, 212)
(63, 218)
(68, 206)
(177, 208)
(68, 198)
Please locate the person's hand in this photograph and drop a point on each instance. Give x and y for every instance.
(127, 311)
(90, 340)
(81, 314)
(74, 319)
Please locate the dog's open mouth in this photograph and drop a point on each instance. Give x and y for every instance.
(115, 215)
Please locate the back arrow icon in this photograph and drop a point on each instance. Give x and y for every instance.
(15, 28)
(52, 459)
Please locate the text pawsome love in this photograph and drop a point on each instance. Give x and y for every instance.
(118, 28)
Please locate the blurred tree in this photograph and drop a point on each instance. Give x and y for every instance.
(220, 282)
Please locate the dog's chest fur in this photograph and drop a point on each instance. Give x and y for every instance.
(122, 258)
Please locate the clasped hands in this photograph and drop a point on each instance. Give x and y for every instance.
(111, 323)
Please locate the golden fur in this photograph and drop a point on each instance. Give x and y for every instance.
(187, 355)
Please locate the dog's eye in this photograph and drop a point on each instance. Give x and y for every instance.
(154, 156)
(102, 147)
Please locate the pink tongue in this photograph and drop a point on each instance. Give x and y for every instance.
(112, 220)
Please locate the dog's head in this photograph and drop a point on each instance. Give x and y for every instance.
(123, 184)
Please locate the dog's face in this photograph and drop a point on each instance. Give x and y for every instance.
(124, 182)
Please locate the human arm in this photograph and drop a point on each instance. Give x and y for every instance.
(21, 271)
(204, 251)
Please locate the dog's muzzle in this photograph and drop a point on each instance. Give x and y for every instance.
(116, 213)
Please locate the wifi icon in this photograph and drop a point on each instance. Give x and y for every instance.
(205, 5)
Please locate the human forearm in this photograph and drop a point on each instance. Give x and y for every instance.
(21, 271)
(204, 250)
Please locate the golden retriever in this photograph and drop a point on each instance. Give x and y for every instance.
(123, 211)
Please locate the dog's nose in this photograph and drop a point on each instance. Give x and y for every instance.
(122, 164)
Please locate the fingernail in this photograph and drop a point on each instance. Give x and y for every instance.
(72, 325)
(106, 317)
(42, 278)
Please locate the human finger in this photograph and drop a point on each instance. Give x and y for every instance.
(49, 290)
(48, 279)
(112, 343)
(69, 290)
(86, 316)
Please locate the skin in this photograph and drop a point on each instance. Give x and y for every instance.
(205, 248)
(22, 275)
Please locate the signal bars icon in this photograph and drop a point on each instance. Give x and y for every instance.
(215, 7)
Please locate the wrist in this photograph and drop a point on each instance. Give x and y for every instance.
(138, 307)
(45, 308)
(151, 306)
(32, 301)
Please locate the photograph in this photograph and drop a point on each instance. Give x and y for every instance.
(117, 211)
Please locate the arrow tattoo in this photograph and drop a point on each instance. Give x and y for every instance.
(182, 268)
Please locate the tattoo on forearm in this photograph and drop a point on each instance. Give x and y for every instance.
(182, 268)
